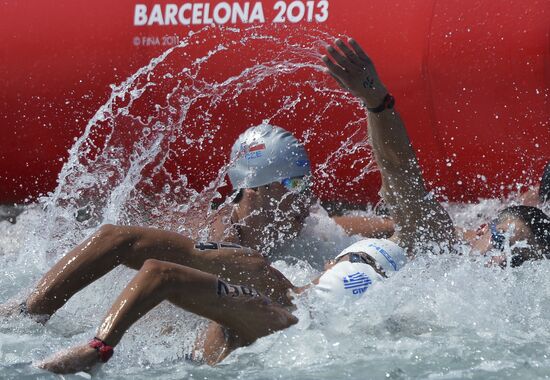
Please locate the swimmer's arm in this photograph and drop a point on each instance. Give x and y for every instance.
(392, 149)
(367, 226)
(403, 188)
(418, 215)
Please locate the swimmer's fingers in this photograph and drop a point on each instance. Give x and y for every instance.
(339, 58)
(355, 72)
(350, 54)
(359, 51)
(334, 69)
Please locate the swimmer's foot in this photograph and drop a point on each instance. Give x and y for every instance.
(78, 358)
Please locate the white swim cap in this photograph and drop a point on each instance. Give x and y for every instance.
(387, 254)
(265, 154)
(346, 280)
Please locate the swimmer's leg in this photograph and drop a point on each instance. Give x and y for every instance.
(242, 311)
(112, 245)
(213, 345)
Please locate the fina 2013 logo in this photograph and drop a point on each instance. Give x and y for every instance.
(223, 13)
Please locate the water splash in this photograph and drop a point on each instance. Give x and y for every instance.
(151, 153)
(441, 317)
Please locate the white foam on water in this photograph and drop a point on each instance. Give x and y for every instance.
(441, 317)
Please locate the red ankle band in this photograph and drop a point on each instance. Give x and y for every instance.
(104, 350)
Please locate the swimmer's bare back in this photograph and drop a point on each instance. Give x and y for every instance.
(245, 313)
(112, 246)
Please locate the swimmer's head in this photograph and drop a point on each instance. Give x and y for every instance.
(270, 172)
(266, 154)
(346, 281)
(389, 257)
(523, 230)
(544, 188)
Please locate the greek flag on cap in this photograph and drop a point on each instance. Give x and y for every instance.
(346, 281)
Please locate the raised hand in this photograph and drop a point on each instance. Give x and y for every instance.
(355, 72)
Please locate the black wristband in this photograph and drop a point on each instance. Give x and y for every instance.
(387, 103)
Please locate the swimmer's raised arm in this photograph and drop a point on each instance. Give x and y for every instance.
(417, 216)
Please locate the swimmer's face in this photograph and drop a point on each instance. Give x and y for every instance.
(508, 237)
(274, 209)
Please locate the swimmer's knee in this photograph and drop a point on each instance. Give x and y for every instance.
(168, 278)
(156, 275)
(155, 267)
(163, 270)
(157, 271)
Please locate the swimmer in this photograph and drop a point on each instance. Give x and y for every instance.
(523, 230)
(270, 173)
(240, 314)
(536, 196)
(419, 219)
(193, 275)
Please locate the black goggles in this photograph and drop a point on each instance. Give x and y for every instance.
(362, 257)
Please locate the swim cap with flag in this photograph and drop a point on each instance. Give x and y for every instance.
(346, 281)
(386, 253)
(265, 154)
